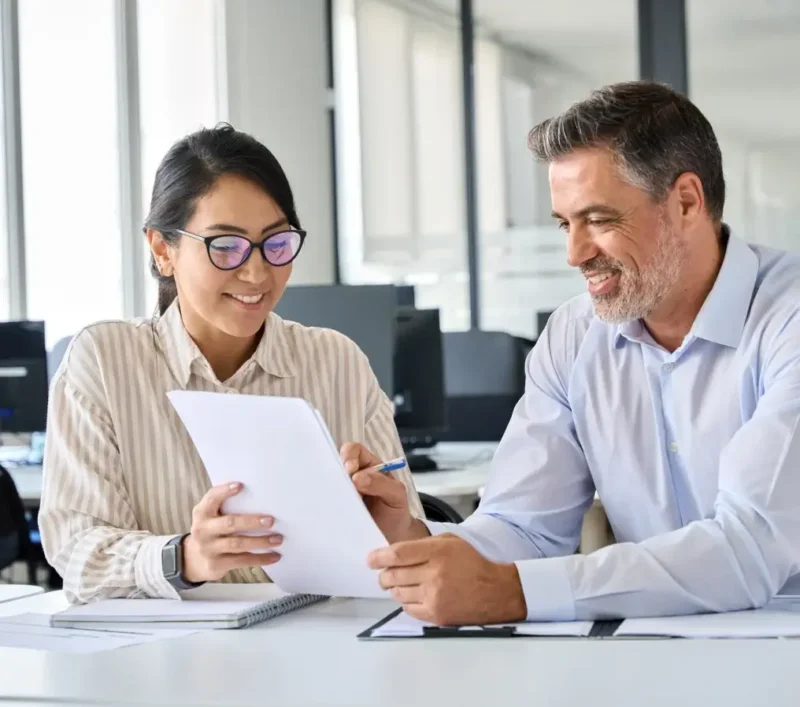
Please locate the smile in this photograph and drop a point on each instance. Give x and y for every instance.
(248, 299)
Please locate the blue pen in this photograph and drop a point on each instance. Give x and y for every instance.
(390, 466)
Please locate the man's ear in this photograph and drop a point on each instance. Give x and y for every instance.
(162, 253)
(691, 199)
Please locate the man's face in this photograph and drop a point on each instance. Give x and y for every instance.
(620, 238)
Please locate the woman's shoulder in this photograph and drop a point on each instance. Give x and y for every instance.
(105, 342)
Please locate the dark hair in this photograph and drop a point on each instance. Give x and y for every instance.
(655, 134)
(189, 171)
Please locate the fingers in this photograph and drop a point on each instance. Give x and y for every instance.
(356, 456)
(408, 595)
(377, 484)
(403, 576)
(209, 506)
(230, 524)
(403, 554)
(243, 544)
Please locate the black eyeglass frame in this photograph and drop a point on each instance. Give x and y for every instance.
(208, 240)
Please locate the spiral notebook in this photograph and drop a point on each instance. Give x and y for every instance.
(208, 607)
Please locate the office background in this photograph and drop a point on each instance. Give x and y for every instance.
(363, 102)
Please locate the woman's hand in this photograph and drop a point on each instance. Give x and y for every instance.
(215, 544)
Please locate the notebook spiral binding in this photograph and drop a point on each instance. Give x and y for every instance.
(278, 607)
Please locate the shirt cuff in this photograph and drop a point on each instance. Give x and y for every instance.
(149, 571)
(547, 589)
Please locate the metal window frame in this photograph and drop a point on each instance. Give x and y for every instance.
(130, 156)
(12, 139)
(470, 160)
(663, 55)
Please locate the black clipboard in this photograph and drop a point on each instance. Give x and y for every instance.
(600, 629)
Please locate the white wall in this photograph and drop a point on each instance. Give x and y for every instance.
(277, 90)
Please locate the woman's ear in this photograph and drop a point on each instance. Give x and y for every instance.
(162, 253)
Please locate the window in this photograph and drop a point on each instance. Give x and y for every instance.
(180, 86)
(568, 51)
(70, 163)
(5, 285)
(400, 153)
(743, 76)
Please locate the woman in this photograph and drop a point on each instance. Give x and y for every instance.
(125, 493)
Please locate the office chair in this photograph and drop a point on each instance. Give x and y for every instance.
(15, 541)
(484, 379)
(438, 510)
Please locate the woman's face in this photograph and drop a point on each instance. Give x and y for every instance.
(210, 298)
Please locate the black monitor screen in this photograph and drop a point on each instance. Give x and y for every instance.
(23, 377)
(419, 377)
(364, 313)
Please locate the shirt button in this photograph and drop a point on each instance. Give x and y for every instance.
(673, 446)
(668, 367)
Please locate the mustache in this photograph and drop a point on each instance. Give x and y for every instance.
(601, 262)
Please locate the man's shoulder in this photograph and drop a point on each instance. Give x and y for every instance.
(776, 295)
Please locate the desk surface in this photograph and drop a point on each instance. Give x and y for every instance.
(312, 657)
(10, 592)
(466, 471)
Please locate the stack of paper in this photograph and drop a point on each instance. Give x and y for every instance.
(283, 453)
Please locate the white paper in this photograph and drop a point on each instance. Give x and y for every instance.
(34, 631)
(757, 623)
(285, 457)
(404, 626)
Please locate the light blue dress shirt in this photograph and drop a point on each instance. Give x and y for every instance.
(695, 455)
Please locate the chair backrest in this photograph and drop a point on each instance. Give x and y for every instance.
(14, 538)
(484, 380)
(438, 510)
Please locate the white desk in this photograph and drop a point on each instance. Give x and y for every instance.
(465, 471)
(10, 592)
(312, 657)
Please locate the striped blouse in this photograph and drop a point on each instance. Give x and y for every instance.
(121, 474)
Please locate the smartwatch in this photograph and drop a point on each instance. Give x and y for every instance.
(172, 564)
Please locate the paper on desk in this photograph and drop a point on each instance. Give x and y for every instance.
(406, 626)
(283, 453)
(756, 623)
(34, 631)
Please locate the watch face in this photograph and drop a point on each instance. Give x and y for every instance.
(169, 561)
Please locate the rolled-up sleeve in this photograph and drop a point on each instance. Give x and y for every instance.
(88, 528)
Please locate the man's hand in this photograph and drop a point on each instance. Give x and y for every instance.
(445, 580)
(386, 498)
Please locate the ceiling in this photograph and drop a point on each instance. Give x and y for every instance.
(744, 55)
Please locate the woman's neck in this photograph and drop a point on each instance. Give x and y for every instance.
(225, 354)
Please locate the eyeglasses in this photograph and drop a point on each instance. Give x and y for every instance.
(228, 252)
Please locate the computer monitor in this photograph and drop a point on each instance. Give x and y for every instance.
(541, 320)
(419, 383)
(406, 296)
(23, 377)
(365, 313)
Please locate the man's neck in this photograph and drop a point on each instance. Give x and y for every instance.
(673, 320)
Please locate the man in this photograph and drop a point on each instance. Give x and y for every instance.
(672, 389)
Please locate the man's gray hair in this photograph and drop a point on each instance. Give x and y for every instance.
(655, 134)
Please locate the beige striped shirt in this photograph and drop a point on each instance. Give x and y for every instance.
(121, 474)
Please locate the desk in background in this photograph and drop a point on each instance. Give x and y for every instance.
(312, 656)
(464, 471)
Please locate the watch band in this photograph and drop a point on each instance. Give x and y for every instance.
(172, 564)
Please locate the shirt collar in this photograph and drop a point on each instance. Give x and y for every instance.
(275, 353)
(722, 317)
